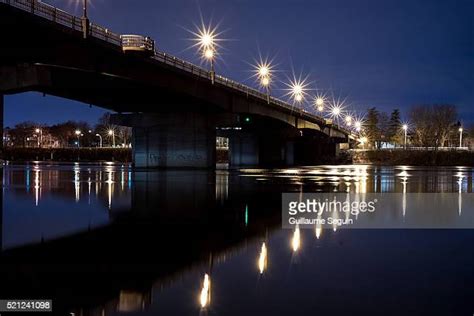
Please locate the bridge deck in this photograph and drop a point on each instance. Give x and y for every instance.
(74, 23)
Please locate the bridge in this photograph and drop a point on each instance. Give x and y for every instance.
(176, 109)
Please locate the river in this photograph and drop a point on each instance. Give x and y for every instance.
(104, 239)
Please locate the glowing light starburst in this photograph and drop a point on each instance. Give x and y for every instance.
(319, 102)
(349, 119)
(263, 72)
(206, 39)
(209, 53)
(337, 108)
(297, 88)
(358, 122)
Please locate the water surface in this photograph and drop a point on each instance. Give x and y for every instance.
(107, 240)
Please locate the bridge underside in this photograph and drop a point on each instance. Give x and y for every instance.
(174, 114)
(188, 139)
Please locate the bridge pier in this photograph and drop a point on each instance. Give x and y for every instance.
(171, 140)
(260, 148)
(313, 148)
(243, 150)
(249, 148)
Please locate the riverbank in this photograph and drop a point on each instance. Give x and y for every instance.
(413, 157)
(377, 157)
(68, 154)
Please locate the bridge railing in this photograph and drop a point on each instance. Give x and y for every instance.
(105, 35)
(56, 15)
(138, 42)
(61, 17)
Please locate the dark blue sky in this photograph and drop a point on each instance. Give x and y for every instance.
(383, 53)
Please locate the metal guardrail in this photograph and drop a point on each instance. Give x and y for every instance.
(61, 17)
(138, 43)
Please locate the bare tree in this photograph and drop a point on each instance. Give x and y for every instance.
(433, 124)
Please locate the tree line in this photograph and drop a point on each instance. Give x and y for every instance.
(65, 134)
(436, 125)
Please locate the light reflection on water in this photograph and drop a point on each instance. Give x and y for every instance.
(233, 219)
(65, 199)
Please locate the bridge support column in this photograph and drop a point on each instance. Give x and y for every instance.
(247, 148)
(243, 150)
(173, 140)
(311, 150)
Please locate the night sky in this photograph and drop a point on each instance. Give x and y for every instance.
(383, 53)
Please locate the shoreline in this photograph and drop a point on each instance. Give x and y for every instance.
(452, 158)
(67, 155)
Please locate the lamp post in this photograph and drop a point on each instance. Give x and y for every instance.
(405, 129)
(460, 137)
(39, 131)
(348, 120)
(207, 44)
(112, 133)
(78, 134)
(209, 54)
(266, 84)
(264, 75)
(85, 19)
(319, 104)
(336, 113)
(297, 91)
(100, 140)
(358, 126)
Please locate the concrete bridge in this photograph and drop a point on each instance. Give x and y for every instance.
(176, 109)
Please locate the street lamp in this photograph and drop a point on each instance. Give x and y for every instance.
(319, 101)
(264, 74)
(100, 139)
(78, 134)
(297, 89)
(336, 112)
(297, 92)
(405, 129)
(348, 120)
(112, 133)
(40, 137)
(358, 126)
(265, 82)
(209, 54)
(206, 39)
(460, 137)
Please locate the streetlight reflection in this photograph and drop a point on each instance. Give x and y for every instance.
(205, 297)
(296, 240)
(262, 259)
